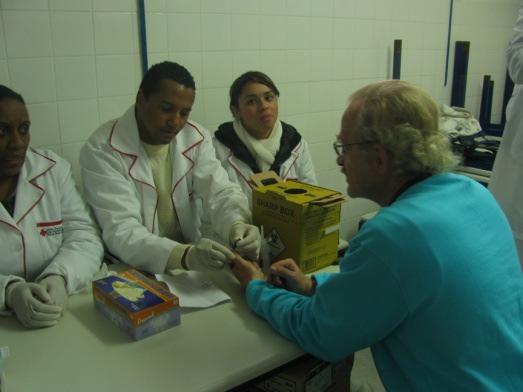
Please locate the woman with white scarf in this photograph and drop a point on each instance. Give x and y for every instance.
(257, 140)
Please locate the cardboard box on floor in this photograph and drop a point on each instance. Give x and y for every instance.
(306, 374)
(299, 220)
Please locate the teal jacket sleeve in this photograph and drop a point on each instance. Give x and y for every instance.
(321, 278)
(350, 310)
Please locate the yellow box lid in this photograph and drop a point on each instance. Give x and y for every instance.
(301, 193)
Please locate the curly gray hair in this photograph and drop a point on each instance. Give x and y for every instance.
(404, 119)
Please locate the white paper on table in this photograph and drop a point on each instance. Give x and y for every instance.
(194, 289)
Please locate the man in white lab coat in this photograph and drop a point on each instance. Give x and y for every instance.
(144, 172)
(50, 245)
(506, 182)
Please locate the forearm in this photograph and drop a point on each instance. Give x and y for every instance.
(77, 263)
(141, 249)
(80, 253)
(345, 313)
(297, 318)
(223, 201)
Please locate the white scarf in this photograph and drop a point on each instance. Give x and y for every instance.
(263, 150)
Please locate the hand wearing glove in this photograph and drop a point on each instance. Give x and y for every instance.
(207, 254)
(30, 302)
(245, 239)
(56, 288)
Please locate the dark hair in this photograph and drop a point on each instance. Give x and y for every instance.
(165, 70)
(7, 93)
(249, 77)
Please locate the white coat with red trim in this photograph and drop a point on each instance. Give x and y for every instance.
(51, 231)
(298, 166)
(119, 186)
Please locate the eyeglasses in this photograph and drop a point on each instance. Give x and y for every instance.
(342, 148)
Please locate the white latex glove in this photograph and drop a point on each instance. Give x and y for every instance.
(56, 288)
(208, 254)
(245, 239)
(30, 302)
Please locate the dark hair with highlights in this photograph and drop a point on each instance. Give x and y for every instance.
(246, 78)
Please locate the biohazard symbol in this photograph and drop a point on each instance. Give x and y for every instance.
(275, 243)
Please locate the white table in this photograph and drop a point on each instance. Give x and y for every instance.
(212, 350)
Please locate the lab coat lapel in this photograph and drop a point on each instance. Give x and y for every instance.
(29, 190)
(286, 171)
(242, 169)
(5, 217)
(187, 139)
(125, 139)
(183, 162)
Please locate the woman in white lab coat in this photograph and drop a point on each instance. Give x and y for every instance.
(257, 140)
(50, 245)
(506, 182)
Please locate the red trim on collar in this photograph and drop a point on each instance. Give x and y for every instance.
(134, 159)
(36, 186)
(24, 257)
(192, 166)
(284, 177)
(237, 169)
(186, 156)
(199, 141)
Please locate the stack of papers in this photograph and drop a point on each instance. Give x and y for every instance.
(194, 289)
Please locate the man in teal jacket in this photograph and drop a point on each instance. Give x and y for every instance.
(432, 283)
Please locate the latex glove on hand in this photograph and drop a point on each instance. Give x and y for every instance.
(245, 240)
(30, 302)
(208, 255)
(56, 288)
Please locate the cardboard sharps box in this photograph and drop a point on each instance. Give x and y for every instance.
(299, 220)
(137, 304)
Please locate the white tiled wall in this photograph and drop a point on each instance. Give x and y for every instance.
(319, 51)
(486, 29)
(77, 61)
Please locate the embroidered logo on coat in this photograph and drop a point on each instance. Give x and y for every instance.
(49, 229)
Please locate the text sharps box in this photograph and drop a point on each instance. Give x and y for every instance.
(299, 220)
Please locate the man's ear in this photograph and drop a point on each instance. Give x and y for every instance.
(381, 159)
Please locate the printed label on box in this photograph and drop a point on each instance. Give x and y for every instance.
(275, 243)
(300, 223)
(137, 304)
